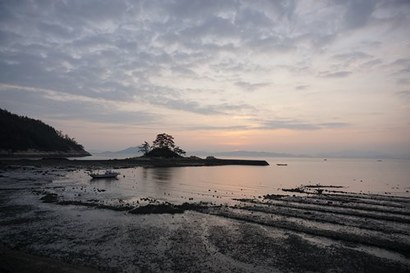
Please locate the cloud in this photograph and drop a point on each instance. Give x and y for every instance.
(246, 86)
(197, 108)
(358, 13)
(113, 50)
(300, 125)
(403, 81)
(54, 105)
(338, 74)
(371, 64)
(193, 57)
(401, 66)
(404, 95)
(217, 128)
(302, 87)
(352, 56)
(294, 125)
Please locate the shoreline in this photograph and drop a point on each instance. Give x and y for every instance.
(129, 162)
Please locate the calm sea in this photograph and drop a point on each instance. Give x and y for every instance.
(223, 183)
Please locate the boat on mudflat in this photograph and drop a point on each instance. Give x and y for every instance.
(106, 174)
(282, 164)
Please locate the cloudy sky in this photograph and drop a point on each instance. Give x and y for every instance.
(284, 76)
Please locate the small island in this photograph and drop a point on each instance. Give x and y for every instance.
(164, 153)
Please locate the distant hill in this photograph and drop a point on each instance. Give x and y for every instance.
(23, 136)
(128, 152)
(242, 154)
(253, 154)
(134, 151)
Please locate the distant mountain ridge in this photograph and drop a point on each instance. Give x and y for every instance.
(25, 137)
(128, 151)
(256, 154)
(133, 151)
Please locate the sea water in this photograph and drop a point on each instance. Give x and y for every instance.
(224, 183)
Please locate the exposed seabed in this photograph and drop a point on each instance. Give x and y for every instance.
(78, 230)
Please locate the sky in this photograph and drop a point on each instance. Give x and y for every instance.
(280, 76)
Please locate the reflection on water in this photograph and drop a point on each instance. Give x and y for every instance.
(159, 174)
(106, 183)
(160, 180)
(223, 183)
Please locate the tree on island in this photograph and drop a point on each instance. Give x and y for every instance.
(164, 141)
(144, 148)
(162, 146)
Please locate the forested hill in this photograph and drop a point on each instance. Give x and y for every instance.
(23, 136)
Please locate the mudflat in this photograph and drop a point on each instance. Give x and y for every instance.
(65, 227)
(20, 262)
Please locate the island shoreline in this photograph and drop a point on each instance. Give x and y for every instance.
(129, 162)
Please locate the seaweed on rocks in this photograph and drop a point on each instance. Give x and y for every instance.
(168, 208)
(152, 208)
(311, 189)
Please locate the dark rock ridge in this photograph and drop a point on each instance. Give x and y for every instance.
(26, 137)
(132, 162)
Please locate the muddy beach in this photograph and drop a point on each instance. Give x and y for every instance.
(57, 219)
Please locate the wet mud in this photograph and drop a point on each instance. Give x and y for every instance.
(85, 227)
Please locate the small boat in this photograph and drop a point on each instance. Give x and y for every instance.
(281, 164)
(106, 174)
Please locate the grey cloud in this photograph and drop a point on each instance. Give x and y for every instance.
(197, 9)
(257, 21)
(90, 12)
(338, 74)
(353, 60)
(401, 62)
(56, 30)
(401, 65)
(115, 49)
(211, 128)
(251, 86)
(330, 125)
(358, 12)
(300, 125)
(105, 41)
(371, 64)
(351, 56)
(195, 107)
(39, 104)
(288, 124)
(272, 44)
(404, 94)
(188, 106)
(9, 38)
(302, 87)
(277, 124)
(403, 81)
(212, 26)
